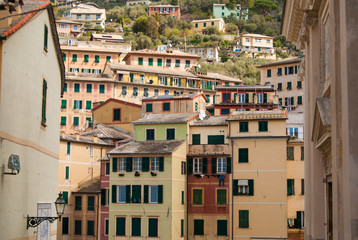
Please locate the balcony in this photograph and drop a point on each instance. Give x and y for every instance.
(209, 149)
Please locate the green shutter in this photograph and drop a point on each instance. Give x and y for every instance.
(101, 88)
(65, 225)
(145, 164)
(198, 227)
(251, 187)
(86, 58)
(128, 193)
(265, 97)
(253, 97)
(44, 100)
(149, 107)
(182, 197)
(190, 165)
(45, 38)
(146, 194)
(150, 61)
(299, 100)
(153, 227)
(222, 227)
(228, 165)
(136, 227)
(161, 164)
(243, 218)
(63, 121)
(63, 103)
(114, 166)
(64, 57)
(243, 155)
(103, 197)
(196, 139)
(68, 147)
(205, 165)
(160, 193)
(159, 62)
(235, 187)
(114, 193)
(106, 227)
(67, 175)
(292, 101)
(120, 226)
(221, 197)
(286, 101)
(136, 193)
(88, 105)
(128, 164)
(96, 59)
(246, 98)
(65, 196)
(166, 106)
(197, 196)
(182, 227)
(81, 104)
(213, 165)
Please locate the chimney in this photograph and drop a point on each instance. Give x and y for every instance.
(77, 136)
(95, 139)
(9, 9)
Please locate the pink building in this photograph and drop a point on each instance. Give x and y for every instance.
(165, 10)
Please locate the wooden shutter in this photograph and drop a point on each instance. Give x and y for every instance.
(128, 193)
(46, 38)
(235, 187)
(136, 227)
(128, 164)
(136, 193)
(213, 165)
(228, 165)
(160, 193)
(65, 225)
(103, 197)
(205, 165)
(161, 164)
(251, 187)
(114, 166)
(222, 227)
(182, 197)
(182, 227)
(114, 193)
(145, 164)
(120, 226)
(265, 97)
(198, 227)
(146, 194)
(153, 227)
(190, 165)
(246, 98)
(302, 186)
(243, 218)
(292, 101)
(68, 147)
(44, 100)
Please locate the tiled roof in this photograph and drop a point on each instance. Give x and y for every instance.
(170, 97)
(94, 187)
(210, 121)
(68, 21)
(281, 62)
(148, 147)
(117, 101)
(164, 5)
(108, 132)
(93, 48)
(206, 20)
(108, 36)
(246, 87)
(257, 115)
(212, 75)
(166, 118)
(255, 35)
(83, 139)
(174, 53)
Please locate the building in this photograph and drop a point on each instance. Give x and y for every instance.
(229, 99)
(283, 76)
(209, 167)
(135, 2)
(165, 10)
(67, 28)
(80, 93)
(210, 54)
(220, 11)
(114, 38)
(174, 104)
(201, 25)
(256, 45)
(259, 171)
(114, 112)
(87, 13)
(326, 32)
(29, 117)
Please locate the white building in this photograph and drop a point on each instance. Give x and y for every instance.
(87, 13)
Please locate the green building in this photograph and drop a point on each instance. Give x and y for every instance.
(220, 10)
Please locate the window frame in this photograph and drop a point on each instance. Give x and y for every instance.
(115, 114)
(193, 198)
(146, 134)
(217, 196)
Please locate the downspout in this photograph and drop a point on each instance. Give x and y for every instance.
(187, 201)
(98, 220)
(231, 180)
(134, 135)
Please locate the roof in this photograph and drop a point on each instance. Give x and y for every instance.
(206, 20)
(148, 147)
(87, 77)
(222, 4)
(164, 6)
(210, 121)
(107, 36)
(255, 35)
(173, 97)
(174, 53)
(166, 118)
(108, 132)
(84, 139)
(94, 187)
(93, 48)
(117, 101)
(68, 21)
(222, 77)
(87, 10)
(246, 87)
(282, 62)
(258, 115)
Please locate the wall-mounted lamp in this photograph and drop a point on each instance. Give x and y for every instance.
(60, 209)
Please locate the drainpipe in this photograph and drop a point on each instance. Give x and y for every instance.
(98, 220)
(134, 136)
(231, 180)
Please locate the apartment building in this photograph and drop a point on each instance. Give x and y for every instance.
(209, 54)
(135, 2)
(229, 99)
(201, 25)
(29, 117)
(259, 171)
(165, 10)
(87, 13)
(67, 28)
(256, 45)
(283, 76)
(220, 11)
(114, 38)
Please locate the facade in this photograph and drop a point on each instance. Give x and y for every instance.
(209, 167)
(283, 76)
(174, 104)
(114, 38)
(259, 171)
(229, 99)
(29, 117)
(256, 45)
(220, 11)
(114, 112)
(135, 2)
(87, 13)
(66, 28)
(165, 10)
(326, 32)
(80, 93)
(104, 208)
(201, 25)
(210, 54)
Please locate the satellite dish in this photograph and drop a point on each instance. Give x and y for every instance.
(202, 114)
(199, 66)
(111, 60)
(170, 45)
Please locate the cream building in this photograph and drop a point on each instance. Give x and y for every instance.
(67, 28)
(31, 82)
(259, 171)
(201, 25)
(283, 76)
(87, 13)
(256, 45)
(327, 31)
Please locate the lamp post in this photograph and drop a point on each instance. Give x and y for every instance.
(60, 209)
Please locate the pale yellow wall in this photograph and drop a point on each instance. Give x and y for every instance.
(210, 226)
(274, 128)
(219, 25)
(206, 131)
(21, 132)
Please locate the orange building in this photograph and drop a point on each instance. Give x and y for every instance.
(67, 28)
(165, 10)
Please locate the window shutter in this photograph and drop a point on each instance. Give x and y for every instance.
(114, 167)
(128, 164)
(145, 164)
(182, 227)
(251, 187)
(81, 104)
(190, 165)
(302, 186)
(243, 218)
(265, 97)
(120, 226)
(171, 81)
(228, 165)
(146, 194)
(153, 227)
(128, 193)
(285, 70)
(114, 193)
(182, 197)
(213, 165)
(160, 194)
(161, 164)
(286, 100)
(253, 97)
(292, 101)
(246, 98)
(205, 165)
(298, 220)
(103, 197)
(235, 187)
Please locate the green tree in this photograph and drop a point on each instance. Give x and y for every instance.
(245, 4)
(264, 7)
(140, 24)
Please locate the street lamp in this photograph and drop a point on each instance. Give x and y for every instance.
(60, 209)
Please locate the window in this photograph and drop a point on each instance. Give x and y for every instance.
(196, 139)
(222, 227)
(279, 87)
(183, 168)
(106, 227)
(156, 92)
(226, 97)
(78, 203)
(221, 165)
(182, 197)
(170, 133)
(90, 228)
(63, 103)
(299, 84)
(302, 153)
(117, 114)
(268, 73)
(87, 16)
(140, 61)
(153, 194)
(159, 62)
(135, 91)
(64, 57)
(107, 168)
(153, 227)
(149, 107)
(90, 206)
(290, 153)
(279, 71)
(108, 58)
(137, 164)
(257, 40)
(221, 197)
(44, 102)
(177, 63)
(86, 58)
(263, 126)
(299, 100)
(98, 16)
(196, 25)
(280, 101)
(65, 225)
(136, 227)
(45, 37)
(296, 69)
(243, 218)
(260, 98)
(74, 57)
(150, 134)
(243, 187)
(302, 186)
(124, 90)
(154, 165)
(216, 139)
(244, 126)
(101, 88)
(145, 92)
(289, 85)
(88, 105)
(182, 227)
(68, 147)
(290, 187)
(222, 14)
(77, 104)
(75, 121)
(225, 111)
(78, 227)
(89, 88)
(77, 87)
(67, 172)
(122, 193)
(65, 87)
(198, 227)
(65, 196)
(243, 155)
(63, 121)
(169, 62)
(166, 106)
(187, 63)
(121, 226)
(197, 196)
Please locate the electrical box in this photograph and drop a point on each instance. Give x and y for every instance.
(14, 162)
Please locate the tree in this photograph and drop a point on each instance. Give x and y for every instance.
(140, 24)
(264, 7)
(231, 28)
(244, 4)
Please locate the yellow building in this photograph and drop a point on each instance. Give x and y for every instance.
(87, 13)
(201, 25)
(67, 28)
(259, 190)
(256, 45)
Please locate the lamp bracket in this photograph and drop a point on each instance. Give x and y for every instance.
(35, 221)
